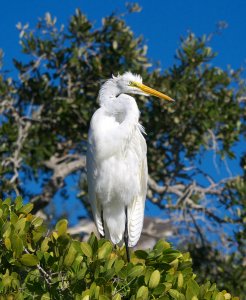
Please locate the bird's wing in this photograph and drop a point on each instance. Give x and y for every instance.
(136, 209)
(91, 178)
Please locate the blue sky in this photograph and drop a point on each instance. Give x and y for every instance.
(160, 22)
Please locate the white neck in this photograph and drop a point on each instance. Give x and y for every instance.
(108, 92)
(114, 101)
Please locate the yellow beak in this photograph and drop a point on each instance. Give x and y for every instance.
(151, 91)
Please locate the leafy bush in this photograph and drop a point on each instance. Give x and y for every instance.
(39, 264)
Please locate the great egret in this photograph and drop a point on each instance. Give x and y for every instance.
(116, 160)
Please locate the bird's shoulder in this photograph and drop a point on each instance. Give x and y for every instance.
(97, 115)
(101, 115)
(101, 122)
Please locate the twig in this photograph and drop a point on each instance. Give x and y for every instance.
(61, 167)
(47, 277)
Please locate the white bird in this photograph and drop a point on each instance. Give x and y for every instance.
(116, 160)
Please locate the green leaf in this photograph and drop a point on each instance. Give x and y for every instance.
(143, 292)
(46, 296)
(103, 297)
(26, 208)
(105, 250)
(174, 294)
(110, 261)
(93, 242)
(81, 273)
(141, 254)
(7, 243)
(170, 255)
(227, 296)
(154, 279)
(61, 227)
(29, 260)
(168, 286)
(192, 289)
(93, 288)
(7, 201)
(6, 229)
(117, 296)
(180, 280)
(161, 245)
(220, 296)
(213, 287)
(118, 265)
(97, 292)
(148, 272)
(174, 263)
(160, 289)
(86, 249)
(18, 202)
(13, 217)
(44, 245)
(20, 225)
(37, 221)
(69, 258)
(135, 271)
(16, 245)
(164, 298)
(123, 272)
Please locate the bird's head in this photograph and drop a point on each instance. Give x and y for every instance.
(129, 83)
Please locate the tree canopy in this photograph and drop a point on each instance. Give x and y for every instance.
(38, 264)
(45, 116)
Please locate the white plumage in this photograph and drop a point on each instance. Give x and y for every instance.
(116, 160)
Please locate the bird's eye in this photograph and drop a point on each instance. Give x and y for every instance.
(131, 83)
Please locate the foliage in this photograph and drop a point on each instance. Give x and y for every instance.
(228, 270)
(52, 265)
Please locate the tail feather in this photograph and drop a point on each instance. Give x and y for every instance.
(135, 222)
(114, 219)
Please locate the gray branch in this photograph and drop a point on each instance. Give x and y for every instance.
(61, 167)
(183, 195)
(23, 128)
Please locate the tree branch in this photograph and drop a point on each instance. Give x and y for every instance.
(61, 167)
(23, 128)
(183, 195)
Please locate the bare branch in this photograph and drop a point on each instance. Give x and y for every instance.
(183, 195)
(61, 167)
(45, 275)
(23, 128)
